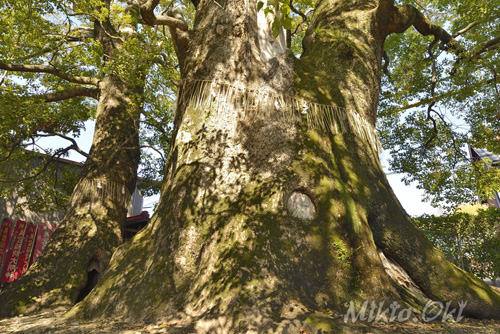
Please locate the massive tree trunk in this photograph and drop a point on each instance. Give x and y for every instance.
(82, 245)
(275, 207)
(92, 228)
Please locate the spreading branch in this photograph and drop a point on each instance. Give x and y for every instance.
(385, 66)
(446, 95)
(54, 188)
(180, 38)
(489, 45)
(296, 11)
(406, 16)
(41, 52)
(147, 12)
(464, 30)
(433, 94)
(163, 60)
(157, 150)
(50, 70)
(11, 149)
(71, 93)
(2, 79)
(74, 145)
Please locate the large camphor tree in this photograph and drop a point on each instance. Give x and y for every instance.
(65, 63)
(274, 207)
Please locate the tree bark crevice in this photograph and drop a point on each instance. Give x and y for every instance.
(264, 222)
(92, 227)
(236, 255)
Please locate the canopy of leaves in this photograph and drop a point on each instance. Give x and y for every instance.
(61, 35)
(469, 237)
(437, 100)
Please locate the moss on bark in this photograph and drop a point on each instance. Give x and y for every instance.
(225, 251)
(93, 225)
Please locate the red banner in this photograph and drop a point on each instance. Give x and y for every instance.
(26, 249)
(5, 237)
(10, 263)
(43, 234)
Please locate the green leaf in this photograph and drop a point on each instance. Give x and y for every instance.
(276, 27)
(268, 10)
(286, 21)
(260, 4)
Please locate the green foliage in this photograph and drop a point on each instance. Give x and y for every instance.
(43, 185)
(288, 14)
(470, 237)
(157, 126)
(430, 142)
(62, 34)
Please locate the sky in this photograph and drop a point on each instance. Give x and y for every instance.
(410, 197)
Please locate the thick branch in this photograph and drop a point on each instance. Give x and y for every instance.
(2, 79)
(157, 150)
(405, 16)
(50, 70)
(41, 52)
(54, 188)
(11, 150)
(424, 26)
(179, 37)
(434, 126)
(489, 45)
(433, 94)
(385, 67)
(162, 59)
(149, 17)
(70, 93)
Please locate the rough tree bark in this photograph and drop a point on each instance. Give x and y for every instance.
(265, 218)
(269, 216)
(82, 245)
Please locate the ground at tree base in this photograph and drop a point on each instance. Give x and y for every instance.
(47, 322)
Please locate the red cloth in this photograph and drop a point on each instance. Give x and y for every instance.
(13, 251)
(5, 236)
(43, 234)
(25, 255)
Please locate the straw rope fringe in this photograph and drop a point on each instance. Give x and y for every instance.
(223, 98)
(102, 189)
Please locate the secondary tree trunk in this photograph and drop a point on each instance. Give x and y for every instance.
(275, 202)
(92, 228)
(82, 245)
